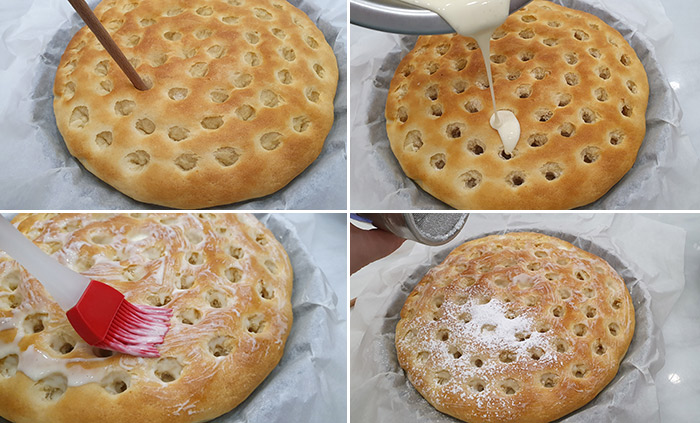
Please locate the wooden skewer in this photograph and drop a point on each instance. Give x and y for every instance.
(107, 42)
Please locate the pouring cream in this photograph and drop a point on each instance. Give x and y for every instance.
(479, 19)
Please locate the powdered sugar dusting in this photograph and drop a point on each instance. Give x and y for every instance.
(484, 331)
(490, 329)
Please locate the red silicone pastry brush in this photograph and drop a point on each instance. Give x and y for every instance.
(99, 313)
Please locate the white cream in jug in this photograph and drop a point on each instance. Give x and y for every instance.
(479, 19)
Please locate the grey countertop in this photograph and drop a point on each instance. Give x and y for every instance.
(679, 389)
(684, 64)
(678, 382)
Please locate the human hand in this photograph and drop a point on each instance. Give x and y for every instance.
(368, 246)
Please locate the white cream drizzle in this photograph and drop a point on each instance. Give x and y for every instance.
(508, 127)
(37, 365)
(479, 19)
(6, 323)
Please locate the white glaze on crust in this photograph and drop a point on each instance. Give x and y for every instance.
(226, 277)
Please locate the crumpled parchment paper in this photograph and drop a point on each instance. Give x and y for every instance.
(648, 255)
(308, 384)
(663, 177)
(38, 172)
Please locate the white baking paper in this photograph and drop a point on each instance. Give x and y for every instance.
(649, 256)
(664, 176)
(38, 172)
(309, 383)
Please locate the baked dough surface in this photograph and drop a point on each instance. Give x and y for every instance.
(577, 87)
(226, 278)
(521, 327)
(241, 99)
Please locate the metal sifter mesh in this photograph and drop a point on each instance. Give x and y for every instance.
(438, 227)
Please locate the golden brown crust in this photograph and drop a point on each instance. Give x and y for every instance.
(226, 278)
(521, 327)
(570, 79)
(241, 104)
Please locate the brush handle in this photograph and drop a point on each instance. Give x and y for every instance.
(65, 286)
(107, 42)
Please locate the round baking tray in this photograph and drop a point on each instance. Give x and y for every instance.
(401, 18)
(408, 405)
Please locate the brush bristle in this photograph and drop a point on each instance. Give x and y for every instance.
(137, 330)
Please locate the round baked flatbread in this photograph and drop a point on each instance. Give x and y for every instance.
(577, 87)
(521, 327)
(241, 99)
(226, 278)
